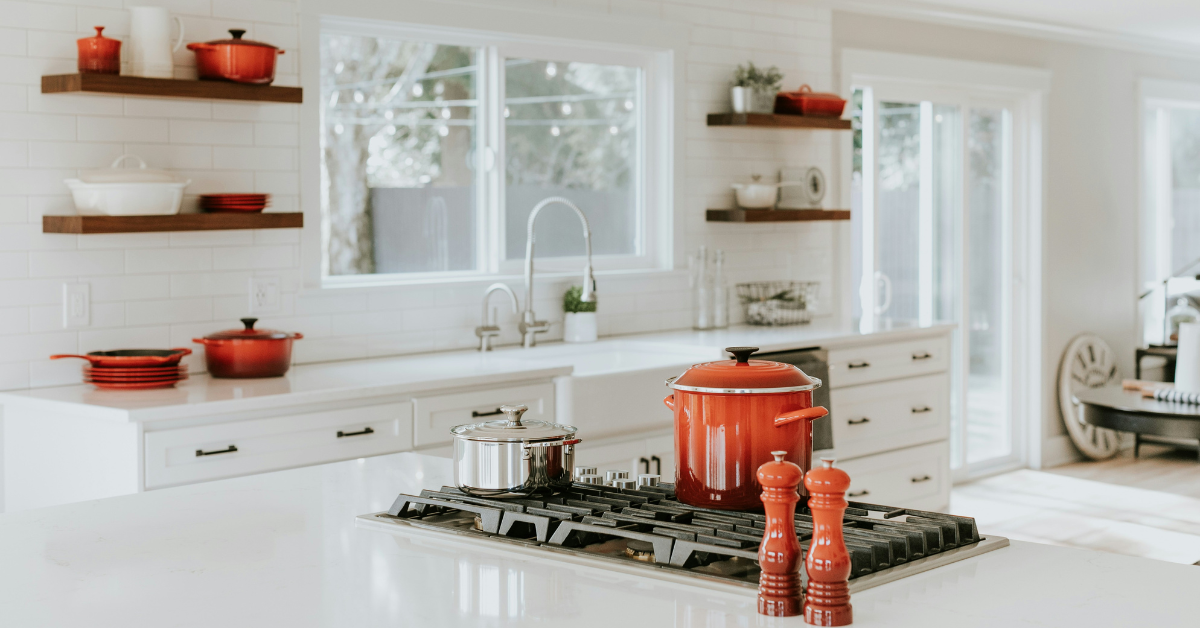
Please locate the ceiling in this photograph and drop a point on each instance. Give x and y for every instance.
(1175, 23)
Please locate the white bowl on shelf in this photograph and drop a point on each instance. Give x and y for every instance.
(117, 191)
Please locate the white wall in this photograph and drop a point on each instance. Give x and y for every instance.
(1090, 216)
(161, 290)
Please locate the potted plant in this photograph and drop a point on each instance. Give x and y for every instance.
(754, 90)
(579, 323)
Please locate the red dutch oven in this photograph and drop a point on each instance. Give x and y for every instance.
(249, 352)
(239, 60)
(729, 417)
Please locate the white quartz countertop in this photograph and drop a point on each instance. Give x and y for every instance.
(201, 395)
(283, 549)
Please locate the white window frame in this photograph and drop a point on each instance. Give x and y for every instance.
(654, 179)
(1154, 203)
(1023, 92)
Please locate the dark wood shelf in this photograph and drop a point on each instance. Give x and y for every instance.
(776, 215)
(171, 88)
(176, 222)
(776, 120)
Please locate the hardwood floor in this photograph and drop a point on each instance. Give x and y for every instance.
(1148, 507)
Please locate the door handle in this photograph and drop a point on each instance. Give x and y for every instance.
(657, 465)
(858, 365)
(228, 450)
(921, 356)
(923, 478)
(645, 464)
(862, 493)
(365, 430)
(922, 410)
(858, 421)
(475, 414)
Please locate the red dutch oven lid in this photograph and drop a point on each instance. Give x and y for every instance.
(237, 40)
(250, 333)
(743, 376)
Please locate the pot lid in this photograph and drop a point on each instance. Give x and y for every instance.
(806, 91)
(238, 41)
(249, 333)
(513, 429)
(115, 174)
(743, 375)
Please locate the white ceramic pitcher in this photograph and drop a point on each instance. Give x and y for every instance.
(150, 48)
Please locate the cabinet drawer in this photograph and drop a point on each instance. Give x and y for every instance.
(634, 455)
(211, 452)
(873, 418)
(875, 363)
(435, 415)
(903, 478)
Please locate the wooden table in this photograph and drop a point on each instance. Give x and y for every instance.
(1128, 411)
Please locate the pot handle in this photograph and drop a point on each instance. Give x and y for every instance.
(297, 336)
(68, 355)
(669, 401)
(201, 341)
(807, 414)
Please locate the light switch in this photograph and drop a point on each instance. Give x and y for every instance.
(77, 305)
(265, 295)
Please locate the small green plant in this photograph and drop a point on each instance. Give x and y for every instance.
(754, 78)
(571, 302)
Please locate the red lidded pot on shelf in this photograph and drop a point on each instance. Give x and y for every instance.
(249, 352)
(729, 416)
(238, 60)
(99, 54)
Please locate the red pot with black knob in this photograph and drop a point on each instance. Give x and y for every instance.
(248, 352)
(238, 60)
(729, 416)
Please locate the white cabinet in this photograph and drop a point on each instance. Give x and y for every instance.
(914, 477)
(436, 414)
(863, 364)
(877, 417)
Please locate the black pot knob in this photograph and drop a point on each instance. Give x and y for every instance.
(249, 323)
(742, 354)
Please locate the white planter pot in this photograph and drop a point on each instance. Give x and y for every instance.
(739, 97)
(579, 327)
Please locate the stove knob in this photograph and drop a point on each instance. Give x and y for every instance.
(624, 483)
(582, 471)
(589, 478)
(613, 474)
(648, 479)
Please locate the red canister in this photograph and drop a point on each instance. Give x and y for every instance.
(729, 417)
(99, 54)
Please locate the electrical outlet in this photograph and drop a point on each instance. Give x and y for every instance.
(265, 295)
(77, 305)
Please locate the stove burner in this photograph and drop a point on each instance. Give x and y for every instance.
(647, 526)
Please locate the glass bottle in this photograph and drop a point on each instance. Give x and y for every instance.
(701, 290)
(1182, 312)
(720, 293)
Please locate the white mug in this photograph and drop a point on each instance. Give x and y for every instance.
(150, 48)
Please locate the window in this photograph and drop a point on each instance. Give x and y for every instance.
(435, 148)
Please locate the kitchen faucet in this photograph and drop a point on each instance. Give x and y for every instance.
(530, 326)
(489, 329)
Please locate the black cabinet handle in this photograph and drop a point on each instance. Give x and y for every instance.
(645, 464)
(923, 478)
(922, 356)
(229, 450)
(922, 410)
(862, 493)
(858, 421)
(365, 430)
(475, 414)
(657, 464)
(858, 365)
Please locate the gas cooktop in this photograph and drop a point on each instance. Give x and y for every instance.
(647, 532)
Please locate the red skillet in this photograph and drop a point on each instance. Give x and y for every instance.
(131, 357)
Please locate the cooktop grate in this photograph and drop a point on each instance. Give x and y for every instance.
(648, 527)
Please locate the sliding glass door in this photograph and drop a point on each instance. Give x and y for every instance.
(933, 173)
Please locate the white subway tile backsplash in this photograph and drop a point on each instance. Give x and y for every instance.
(12, 98)
(27, 347)
(70, 263)
(272, 134)
(168, 108)
(277, 182)
(36, 126)
(211, 132)
(168, 311)
(73, 154)
(55, 372)
(271, 11)
(14, 376)
(12, 42)
(14, 154)
(255, 112)
(211, 284)
(124, 241)
(174, 157)
(14, 320)
(128, 287)
(211, 238)
(254, 257)
(115, 21)
(38, 15)
(126, 338)
(256, 158)
(171, 260)
(113, 129)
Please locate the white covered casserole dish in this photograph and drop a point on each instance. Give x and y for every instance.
(117, 191)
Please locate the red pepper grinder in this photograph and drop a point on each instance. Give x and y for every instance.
(99, 54)
(827, 599)
(779, 555)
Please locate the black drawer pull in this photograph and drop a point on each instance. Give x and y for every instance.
(922, 410)
(657, 464)
(645, 464)
(365, 430)
(476, 414)
(229, 450)
(862, 493)
(922, 356)
(923, 478)
(858, 421)
(858, 365)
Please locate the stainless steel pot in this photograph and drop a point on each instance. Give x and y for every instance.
(513, 458)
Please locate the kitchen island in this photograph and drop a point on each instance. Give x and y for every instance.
(284, 549)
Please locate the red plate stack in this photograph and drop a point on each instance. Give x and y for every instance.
(134, 377)
(234, 202)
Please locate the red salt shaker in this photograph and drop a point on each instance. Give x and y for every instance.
(779, 590)
(827, 599)
(99, 54)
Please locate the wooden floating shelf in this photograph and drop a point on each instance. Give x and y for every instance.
(776, 120)
(776, 215)
(177, 222)
(171, 88)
